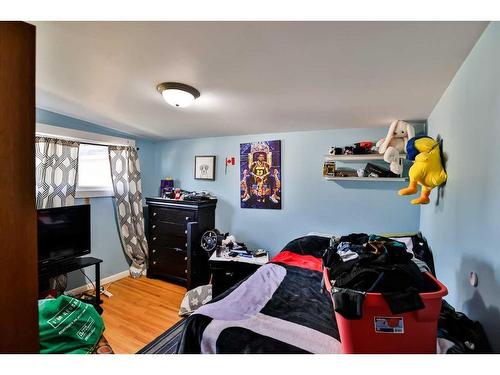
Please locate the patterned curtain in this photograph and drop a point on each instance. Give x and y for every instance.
(126, 176)
(56, 162)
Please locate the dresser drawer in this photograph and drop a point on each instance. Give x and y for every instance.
(162, 228)
(168, 240)
(171, 215)
(168, 261)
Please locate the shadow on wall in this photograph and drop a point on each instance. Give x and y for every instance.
(224, 222)
(77, 279)
(481, 303)
(372, 185)
(441, 188)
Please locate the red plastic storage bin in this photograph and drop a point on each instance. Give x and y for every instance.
(379, 331)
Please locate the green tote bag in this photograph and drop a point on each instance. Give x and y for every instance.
(68, 325)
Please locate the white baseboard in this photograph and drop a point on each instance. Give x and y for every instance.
(106, 280)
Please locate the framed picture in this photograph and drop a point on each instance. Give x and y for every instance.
(260, 175)
(329, 168)
(204, 167)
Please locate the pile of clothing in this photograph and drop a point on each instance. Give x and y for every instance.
(361, 263)
(457, 334)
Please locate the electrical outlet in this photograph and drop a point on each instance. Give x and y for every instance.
(473, 279)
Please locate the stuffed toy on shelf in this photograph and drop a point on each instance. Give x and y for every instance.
(427, 169)
(394, 144)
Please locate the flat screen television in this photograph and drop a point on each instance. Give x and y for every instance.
(63, 233)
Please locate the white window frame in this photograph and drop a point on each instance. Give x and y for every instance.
(44, 130)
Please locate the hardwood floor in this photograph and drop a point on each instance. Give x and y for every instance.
(139, 311)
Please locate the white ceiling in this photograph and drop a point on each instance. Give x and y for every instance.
(254, 77)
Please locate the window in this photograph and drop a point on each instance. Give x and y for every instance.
(94, 173)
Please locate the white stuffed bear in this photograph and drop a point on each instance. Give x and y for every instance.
(394, 144)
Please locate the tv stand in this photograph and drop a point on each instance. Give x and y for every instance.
(55, 269)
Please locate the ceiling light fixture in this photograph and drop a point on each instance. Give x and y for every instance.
(178, 94)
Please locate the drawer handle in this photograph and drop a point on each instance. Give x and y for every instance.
(154, 226)
(230, 274)
(154, 251)
(154, 262)
(154, 213)
(185, 271)
(186, 232)
(187, 218)
(185, 258)
(154, 238)
(178, 249)
(186, 245)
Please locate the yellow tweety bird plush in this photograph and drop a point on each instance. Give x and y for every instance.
(427, 169)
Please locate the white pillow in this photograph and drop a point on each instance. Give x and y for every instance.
(195, 298)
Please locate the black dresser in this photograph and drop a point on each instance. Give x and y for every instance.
(174, 230)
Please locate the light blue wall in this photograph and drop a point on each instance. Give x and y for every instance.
(463, 229)
(105, 240)
(309, 202)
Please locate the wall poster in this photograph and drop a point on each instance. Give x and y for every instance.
(260, 175)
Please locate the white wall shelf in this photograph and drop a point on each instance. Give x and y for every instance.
(373, 179)
(358, 158)
(361, 159)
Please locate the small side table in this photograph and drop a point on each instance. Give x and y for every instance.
(228, 271)
(73, 265)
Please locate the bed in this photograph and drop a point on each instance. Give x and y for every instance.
(281, 308)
